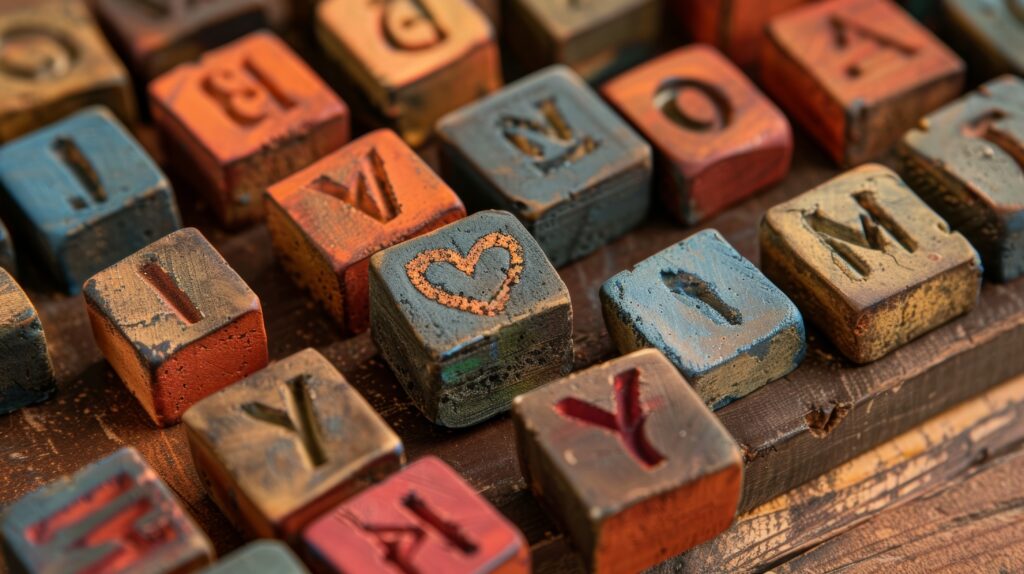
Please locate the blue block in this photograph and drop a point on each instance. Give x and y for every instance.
(84, 194)
(263, 556)
(722, 323)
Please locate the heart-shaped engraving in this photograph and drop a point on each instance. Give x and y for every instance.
(417, 272)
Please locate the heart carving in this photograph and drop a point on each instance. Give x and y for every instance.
(417, 273)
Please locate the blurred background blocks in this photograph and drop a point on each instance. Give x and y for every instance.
(736, 27)
(26, 372)
(990, 33)
(262, 556)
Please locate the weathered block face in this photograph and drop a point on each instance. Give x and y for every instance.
(268, 556)
(327, 219)
(115, 515)
(718, 139)
(857, 74)
(630, 460)
(415, 60)
(26, 373)
(991, 33)
(243, 117)
(868, 262)
(470, 316)
(86, 195)
(7, 258)
(547, 149)
(53, 61)
(176, 323)
(736, 27)
(424, 518)
(967, 161)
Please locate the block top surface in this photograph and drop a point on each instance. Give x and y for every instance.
(1000, 21)
(565, 19)
(16, 309)
(262, 556)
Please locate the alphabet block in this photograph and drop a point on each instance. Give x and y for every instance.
(327, 219)
(85, 195)
(868, 262)
(263, 556)
(53, 61)
(286, 444)
(425, 518)
(967, 161)
(7, 259)
(718, 139)
(736, 27)
(469, 316)
(26, 373)
(243, 117)
(989, 33)
(414, 60)
(629, 460)
(547, 149)
(856, 74)
(597, 39)
(722, 323)
(176, 323)
(114, 515)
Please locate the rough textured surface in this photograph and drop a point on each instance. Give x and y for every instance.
(8, 260)
(990, 34)
(285, 444)
(469, 316)
(856, 74)
(83, 194)
(262, 556)
(328, 219)
(414, 60)
(722, 323)
(736, 27)
(967, 161)
(549, 150)
(114, 515)
(424, 518)
(244, 116)
(869, 262)
(26, 372)
(630, 461)
(176, 323)
(718, 139)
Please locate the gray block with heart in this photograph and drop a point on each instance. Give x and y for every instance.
(470, 316)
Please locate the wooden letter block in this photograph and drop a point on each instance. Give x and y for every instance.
(7, 258)
(26, 373)
(868, 262)
(718, 139)
(328, 219)
(857, 73)
(991, 33)
(425, 518)
(967, 161)
(287, 443)
(722, 323)
(243, 117)
(113, 516)
(53, 61)
(597, 39)
(85, 195)
(414, 60)
(262, 556)
(470, 316)
(629, 460)
(736, 27)
(547, 149)
(176, 323)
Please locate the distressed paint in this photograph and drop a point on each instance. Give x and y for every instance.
(26, 372)
(989, 33)
(263, 556)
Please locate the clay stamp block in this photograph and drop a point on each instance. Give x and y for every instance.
(469, 316)
(26, 373)
(114, 515)
(288, 443)
(717, 138)
(53, 61)
(967, 162)
(629, 460)
(327, 219)
(722, 323)
(868, 262)
(263, 556)
(547, 149)
(414, 60)
(243, 117)
(597, 39)
(176, 323)
(7, 258)
(856, 74)
(991, 34)
(84, 194)
(736, 27)
(425, 518)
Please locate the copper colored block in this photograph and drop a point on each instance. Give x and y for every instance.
(856, 74)
(328, 219)
(176, 323)
(736, 27)
(718, 139)
(415, 60)
(243, 117)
